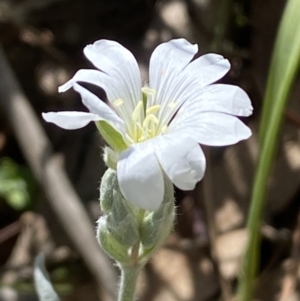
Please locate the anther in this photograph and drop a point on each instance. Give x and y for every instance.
(153, 109)
(129, 138)
(149, 118)
(148, 91)
(136, 114)
(118, 102)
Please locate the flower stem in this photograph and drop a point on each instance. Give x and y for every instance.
(129, 275)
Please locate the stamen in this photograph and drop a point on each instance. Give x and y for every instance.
(137, 112)
(139, 126)
(143, 137)
(145, 124)
(118, 102)
(129, 138)
(153, 109)
(150, 118)
(148, 91)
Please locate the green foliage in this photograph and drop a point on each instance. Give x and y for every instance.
(16, 184)
(284, 65)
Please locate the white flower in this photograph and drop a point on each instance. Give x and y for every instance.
(161, 124)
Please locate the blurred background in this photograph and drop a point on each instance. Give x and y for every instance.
(43, 43)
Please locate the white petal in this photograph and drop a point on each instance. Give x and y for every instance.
(207, 69)
(216, 98)
(97, 78)
(167, 59)
(113, 88)
(98, 107)
(140, 177)
(189, 83)
(166, 65)
(119, 63)
(211, 128)
(70, 120)
(182, 159)
(226, 99)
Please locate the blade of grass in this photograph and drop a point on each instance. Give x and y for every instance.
(284, 64)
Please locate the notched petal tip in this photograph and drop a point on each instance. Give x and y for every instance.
(101, 43)
(182, 159)
(211, 59)
(226, 64)
(243, 132)
(241, 100)
(206, 69)
(222, 63)
(66, 86)
(184, 45)
(70, 120)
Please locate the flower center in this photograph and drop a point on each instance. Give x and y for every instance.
(144, 123)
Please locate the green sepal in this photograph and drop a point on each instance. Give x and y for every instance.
(108, 185)
(158, 224)
(111, 245)
(113, 138)
(110, 157)
(121, 219)
(122, 222)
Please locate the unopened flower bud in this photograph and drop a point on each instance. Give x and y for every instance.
(109, 244)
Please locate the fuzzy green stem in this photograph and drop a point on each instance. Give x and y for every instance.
(129, 275)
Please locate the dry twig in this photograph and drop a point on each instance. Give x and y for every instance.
(52, 177)
(289, 282)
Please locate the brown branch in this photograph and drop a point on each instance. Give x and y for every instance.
(9, 231)
(52, 177)
(289, 282)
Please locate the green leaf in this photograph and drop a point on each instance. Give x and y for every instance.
(110, 245)
(284, 66)
(16, 184)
